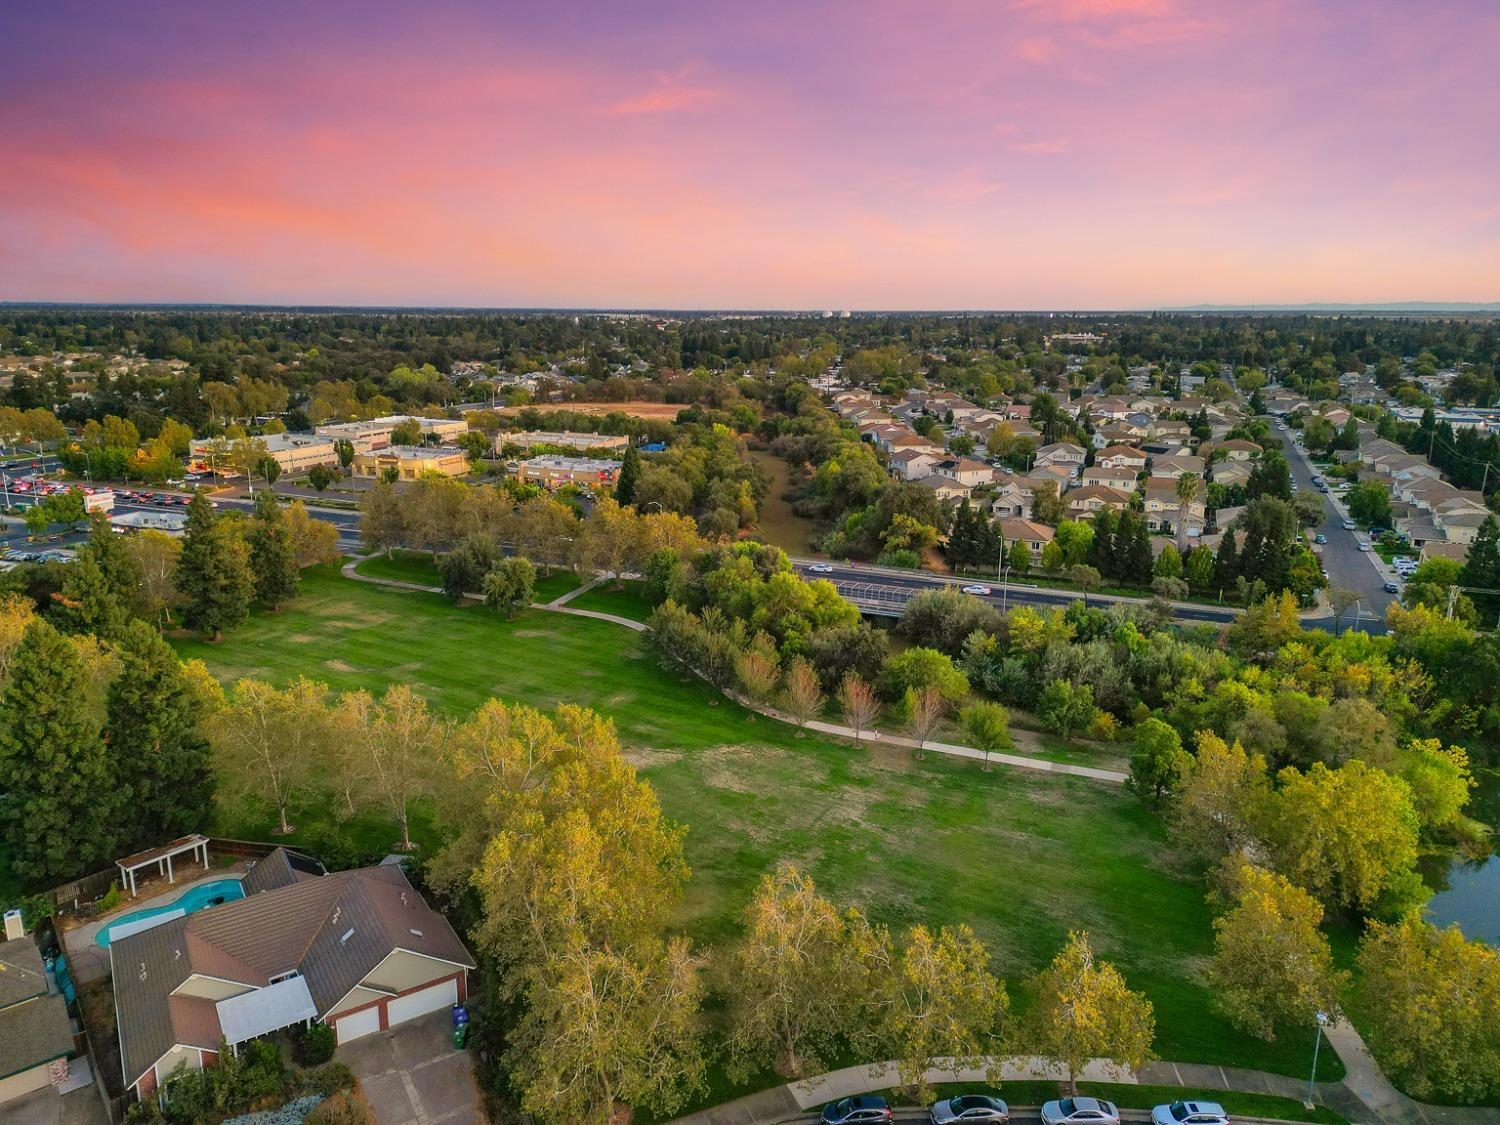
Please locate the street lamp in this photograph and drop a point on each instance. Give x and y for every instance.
(1004, 573)
(1317, 1042)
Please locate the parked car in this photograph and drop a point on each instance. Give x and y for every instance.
(1080, 1111)
(862, 1109)
(1364, 546)
(971, 1107)
(821, 568)
(1190, 1113)
(1348, 525)
(1320, 538)
(1392, 587)
(981, 591)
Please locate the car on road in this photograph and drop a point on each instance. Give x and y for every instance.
(981, 591)
(1364, 546)
(970, 1107)
(1348, 525)
(1080, 1111)
(821, 568)
(1393, 587)
(862, 1109)
(1190, 1113)
(1320, 538)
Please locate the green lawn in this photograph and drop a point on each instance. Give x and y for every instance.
(554, 585)
(1020, 856)
(402, 566)
(1127, 1095)
(627, 601)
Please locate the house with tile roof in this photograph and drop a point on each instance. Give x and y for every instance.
(358, 950)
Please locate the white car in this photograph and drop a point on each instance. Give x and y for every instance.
(821, 568)
(1364, 546)
(1348, 525)
(970, 1109)
(1190, 1113)
(1080, 1111)
(979, 590)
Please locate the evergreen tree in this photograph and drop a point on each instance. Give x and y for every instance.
(213, 574)
(1227, 562)
(1481, 570)
(1133, 548)
(629, 478)
(61, 801)
(962, 544)
(1270, 477)
(1101, 553)
(273, 559)
(153, 724)
(101, 588)
(989, 543)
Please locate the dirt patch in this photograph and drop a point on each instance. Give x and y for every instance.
(645, 758)
(345, 620)
(302, 639)
(339, 666)
(530, 633)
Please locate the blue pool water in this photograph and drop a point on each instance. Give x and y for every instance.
(200, 897)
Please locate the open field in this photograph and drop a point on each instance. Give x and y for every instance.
(1021, 857)
(661, 410)
(418, 567)
(778, 524)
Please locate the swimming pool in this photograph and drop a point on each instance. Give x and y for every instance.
(200, 897)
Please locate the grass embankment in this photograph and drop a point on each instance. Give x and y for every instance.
(1127, 1095)
(418, 567)
(1022, 857)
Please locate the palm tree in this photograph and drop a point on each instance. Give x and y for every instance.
(1187, 492)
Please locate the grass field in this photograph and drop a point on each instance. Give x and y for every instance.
(418, 567)
(1022, 857)
(623, 599)
(778, 524)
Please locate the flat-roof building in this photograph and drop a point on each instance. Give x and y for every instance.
(595, 442)
(411, 461)
(295, 453)
(554, 471)
(376, 433)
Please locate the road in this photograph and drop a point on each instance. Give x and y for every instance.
(1346, 564)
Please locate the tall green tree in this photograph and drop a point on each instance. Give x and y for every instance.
(102, 586)
(629, 478)
(161, 752)
(61, 794)
(1481, 570)
(273, 557)
(213, 574)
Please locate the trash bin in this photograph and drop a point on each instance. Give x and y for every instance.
(461, 1036)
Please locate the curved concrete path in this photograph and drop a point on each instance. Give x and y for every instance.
(950, 749)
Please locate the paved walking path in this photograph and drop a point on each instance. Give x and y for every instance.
(1365, 1096)
(952, 750)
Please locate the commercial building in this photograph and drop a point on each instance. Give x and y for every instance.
(376, 433)
(294, 453)
(598, 443)
(411, 461)
(551, 472)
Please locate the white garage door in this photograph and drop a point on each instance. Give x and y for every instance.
(403, 1008)
(357, 1024)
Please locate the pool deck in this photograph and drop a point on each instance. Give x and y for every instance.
(88, 962)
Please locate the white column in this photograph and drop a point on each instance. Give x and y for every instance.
(170, 878)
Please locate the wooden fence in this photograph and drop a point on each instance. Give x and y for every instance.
(80, 895)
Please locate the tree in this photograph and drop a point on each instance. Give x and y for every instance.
(1083, 1010)
(801, 693)
(313, 541)
(1431, 1003)
(1066, 708)
(154, 726)
(987, 726)
(1158, 763)
(611, 1026)
(1198, 568)
(344, 450)
(270, 468)
(756, 672)
(156, 554)
(629, 477)
(510, 586)
(1188, 487)
(382, 522)
(1272, 968)
(1046, 505)
(404, 741)
(1369, 503)
(267, 742)
(858, 703)
(1481, 569)
(939, 1002)
(786, 979)
(1341, 600)
(273, 560)
(1085, 578)
(320, 477)
(924, 709)
(1343, 834)
(62, 797)
(1018, 557)
(920, 667)
(1221, 799)
(1270, 477)
(1168, 563)
(213, 574)
(87, 603)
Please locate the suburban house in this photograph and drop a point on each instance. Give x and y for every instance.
(1063, 454)
(1109, 478)
(1118, 433)
(1232, 472)
(1084, 502)
(1237, 449)
(1162, 507)
(357, 950)
(945, 488)
(36, 1035)
(1011, 500)
(1120, 457)
(1036, 536)
(412, 461)
(965, 471)
(1174, 467)
(1169, 430)
(913, 464)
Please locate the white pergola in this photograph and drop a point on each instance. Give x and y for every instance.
(161, 859)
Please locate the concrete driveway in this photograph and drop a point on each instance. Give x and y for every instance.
(412, 1075)
(48, 1107)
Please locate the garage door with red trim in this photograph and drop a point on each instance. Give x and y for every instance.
(444, 994)
(356, 1025)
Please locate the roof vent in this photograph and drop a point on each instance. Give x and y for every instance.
(417, 932)
(177, 955)
(349, 933)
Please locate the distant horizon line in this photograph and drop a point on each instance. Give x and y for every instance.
(801, 313)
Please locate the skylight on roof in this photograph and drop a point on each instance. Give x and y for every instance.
(349, 933)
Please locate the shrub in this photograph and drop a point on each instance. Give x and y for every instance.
(314, 1046)
(347, 1107)
(326, 1080)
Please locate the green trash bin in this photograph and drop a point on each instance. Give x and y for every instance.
(461, 1036)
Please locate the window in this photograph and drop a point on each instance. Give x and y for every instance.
(288, 975)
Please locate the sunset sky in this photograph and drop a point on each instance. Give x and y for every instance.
(867, 155)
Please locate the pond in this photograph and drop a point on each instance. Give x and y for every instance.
(1468, 893)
